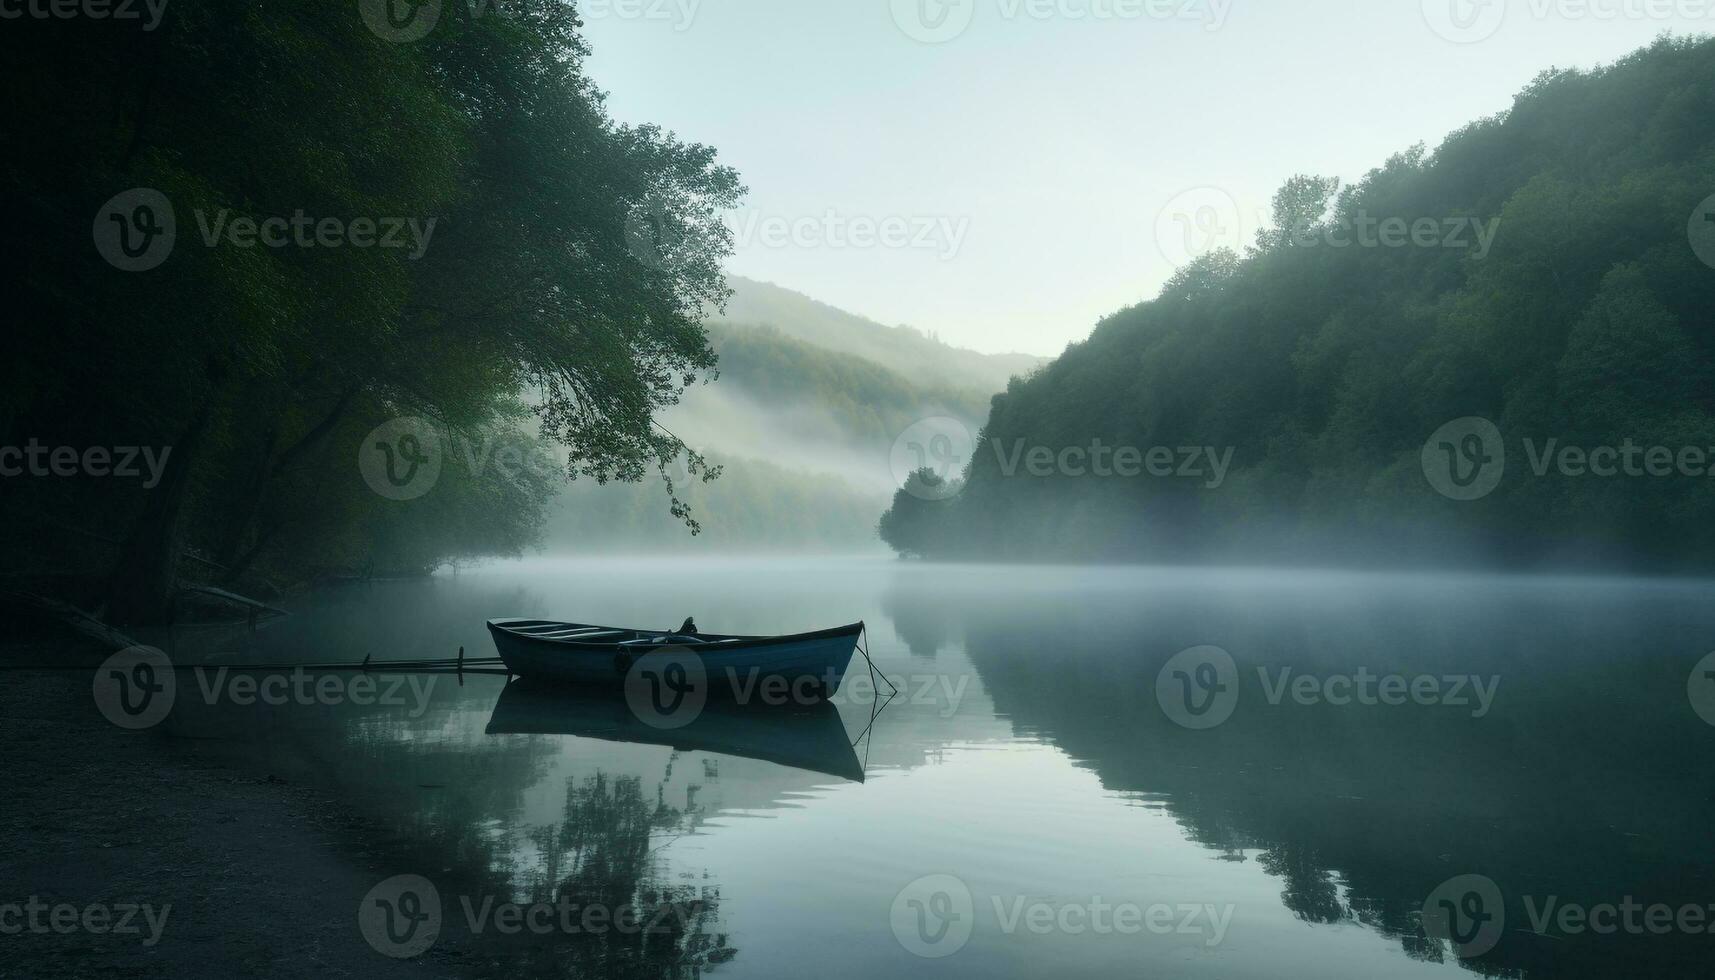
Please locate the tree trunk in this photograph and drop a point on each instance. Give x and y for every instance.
(241, 564)
(140, 590)
(270, 466)
(248, 506)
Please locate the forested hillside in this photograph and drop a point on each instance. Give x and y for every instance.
(870, 403)
(803, 436)
(912, 353)
(1325, 369)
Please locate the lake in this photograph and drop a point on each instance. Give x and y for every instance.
(1086, 772)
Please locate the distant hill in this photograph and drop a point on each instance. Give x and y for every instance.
(803, 419)
(864, 404)
(909, 351)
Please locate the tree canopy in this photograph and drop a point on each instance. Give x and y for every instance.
(545, 287)
(1324, 369)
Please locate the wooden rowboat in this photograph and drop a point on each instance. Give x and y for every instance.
(576, 653)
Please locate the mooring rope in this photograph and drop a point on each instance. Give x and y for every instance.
(863, 648)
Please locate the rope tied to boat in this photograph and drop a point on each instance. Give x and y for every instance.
(863, 648)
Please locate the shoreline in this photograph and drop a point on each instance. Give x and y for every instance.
(246, 873)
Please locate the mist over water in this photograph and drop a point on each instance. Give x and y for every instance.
(798, 436)
(1035, 754)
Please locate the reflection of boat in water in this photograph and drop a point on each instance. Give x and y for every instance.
(583, 654)
(810, 737)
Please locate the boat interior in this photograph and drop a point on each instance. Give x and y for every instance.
(579, 633)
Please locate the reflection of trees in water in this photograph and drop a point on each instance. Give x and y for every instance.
(924, 620)
(431, 780)
(1397, 917)
(1311, 891)
(1362, 811)
(441, 795)
(601, 855)
(442, 790)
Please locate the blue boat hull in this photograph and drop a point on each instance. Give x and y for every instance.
(572, 653)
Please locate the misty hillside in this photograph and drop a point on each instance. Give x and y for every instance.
(908, 351)
(866, 402)
(802, 431)
(1324, 370)
(755, 506)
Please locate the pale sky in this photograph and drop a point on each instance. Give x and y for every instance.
(1022, 179)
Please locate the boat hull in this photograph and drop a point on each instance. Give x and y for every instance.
(784, 668)
(812, 737)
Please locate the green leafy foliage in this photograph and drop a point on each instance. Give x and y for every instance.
(813, 483)
(263, 366)
(871, 404)
(1325, 369)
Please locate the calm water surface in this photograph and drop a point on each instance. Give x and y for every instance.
(1028, 805)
